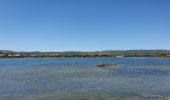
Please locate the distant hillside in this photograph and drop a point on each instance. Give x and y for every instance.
(138, 51)
(6, 51)
(105, 52)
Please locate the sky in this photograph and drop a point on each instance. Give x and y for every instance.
(84, 25)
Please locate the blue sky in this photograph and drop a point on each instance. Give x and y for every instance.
(84, 25)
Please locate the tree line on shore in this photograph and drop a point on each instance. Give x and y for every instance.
(164, 54)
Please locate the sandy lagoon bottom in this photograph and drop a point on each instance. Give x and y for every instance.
(80, 79)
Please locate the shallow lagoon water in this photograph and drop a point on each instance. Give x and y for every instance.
(79, 78)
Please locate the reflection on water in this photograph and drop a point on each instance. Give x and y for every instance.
(79, 78)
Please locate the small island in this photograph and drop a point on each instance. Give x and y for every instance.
(107, 65)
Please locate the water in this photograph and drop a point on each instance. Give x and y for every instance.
(79, 78)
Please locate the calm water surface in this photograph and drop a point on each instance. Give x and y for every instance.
(79, 78)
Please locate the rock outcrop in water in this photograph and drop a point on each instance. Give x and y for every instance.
(107, 65)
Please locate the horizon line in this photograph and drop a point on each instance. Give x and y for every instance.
(82, 50)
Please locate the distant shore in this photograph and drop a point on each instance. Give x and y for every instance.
(65, 56)
(106, 53)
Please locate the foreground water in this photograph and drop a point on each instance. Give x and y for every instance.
(80, 79)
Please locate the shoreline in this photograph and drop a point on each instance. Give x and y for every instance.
(86, 57)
